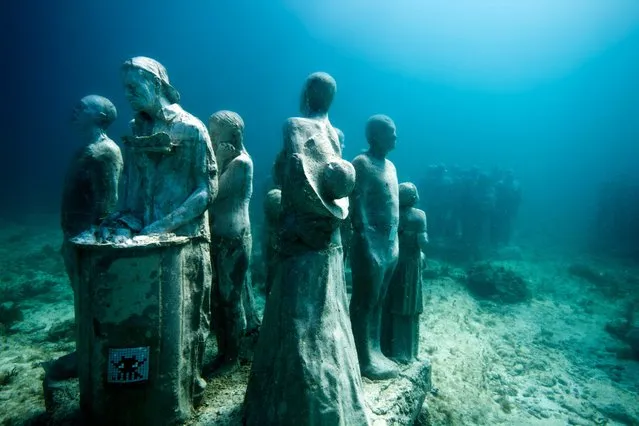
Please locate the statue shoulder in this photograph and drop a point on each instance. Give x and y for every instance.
(299, 125)
(362, 160)
(420, 219)
(190, 127)
(390, 165)
(106, 150)
(413, 219)
(241, 162)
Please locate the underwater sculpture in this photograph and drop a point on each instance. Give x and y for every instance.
(232, 306)
(404, 298)
(90, 192)
(270, 239)
(143, 308)
(305, 367)
(374, 208)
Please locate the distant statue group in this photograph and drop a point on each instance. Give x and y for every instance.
(471, 206)
(178, 177)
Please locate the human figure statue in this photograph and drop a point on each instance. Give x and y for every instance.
(272, 229)
(231, 241)
(171, 179)
(305, 366)
(374, 213)
(480, 206)
(90, 191)
(404, 300)
(507, 201)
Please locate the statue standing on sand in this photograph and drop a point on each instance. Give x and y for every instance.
(305, 366)
(90, 191)
(143, 301)
(231, 293)
(374, 246)
(404, 299)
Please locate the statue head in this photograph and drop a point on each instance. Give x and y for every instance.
(317, 96)
(146, 84)
(94, 111)
(227, 133)
(408, 195)
(381, 133)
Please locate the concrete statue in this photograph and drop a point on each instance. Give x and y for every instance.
(305, 366)
(143, 308)
(374, 247)
(404, 302)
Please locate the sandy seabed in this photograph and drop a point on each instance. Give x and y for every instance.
(546, 361)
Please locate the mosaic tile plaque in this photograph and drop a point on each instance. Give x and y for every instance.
(128, 365)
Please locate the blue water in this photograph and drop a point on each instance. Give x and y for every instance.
(548, 90)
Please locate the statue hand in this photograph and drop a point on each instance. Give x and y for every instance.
(154, 228)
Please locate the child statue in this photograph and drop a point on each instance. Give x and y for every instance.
(231, 240)
(404, 299)
(90, 191)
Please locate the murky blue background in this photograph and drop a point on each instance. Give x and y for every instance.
(550, 90)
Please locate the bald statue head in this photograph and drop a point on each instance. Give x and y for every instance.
(318, 93)
(381, 133)
(94, 111)
(408, 195)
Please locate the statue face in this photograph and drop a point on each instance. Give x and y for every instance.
(222, 140)
(83, 115)
(140, 89)
(93, 111)
(385, 138)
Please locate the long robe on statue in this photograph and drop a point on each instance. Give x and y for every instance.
(305, 370)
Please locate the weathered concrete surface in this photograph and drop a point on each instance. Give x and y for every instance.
(143, 297)
(392, 402)
(398, 401)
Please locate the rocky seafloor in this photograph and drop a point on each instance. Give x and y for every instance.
(553, 356)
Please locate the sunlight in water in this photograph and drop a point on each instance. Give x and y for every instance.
(497, 43)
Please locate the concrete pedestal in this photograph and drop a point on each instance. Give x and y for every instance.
(140, 329)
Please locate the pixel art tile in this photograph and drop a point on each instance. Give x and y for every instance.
(128, 365)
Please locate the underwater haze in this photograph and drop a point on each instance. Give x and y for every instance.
(529, 287)
(548, 89)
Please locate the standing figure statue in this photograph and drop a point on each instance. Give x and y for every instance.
(171, 179)
(507, 201)
(231, 241)
(404, 301)
(374, 246)
(90, 191)
(305, 366)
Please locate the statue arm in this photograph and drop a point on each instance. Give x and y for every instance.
(205, 169)
(358, 214)
(106, 177)
(422, 238)
(233, 182)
